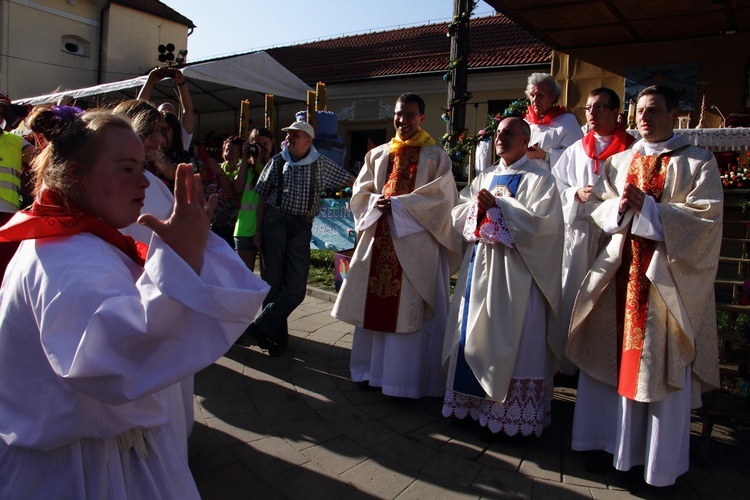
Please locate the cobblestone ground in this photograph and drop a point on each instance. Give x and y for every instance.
(296, 427)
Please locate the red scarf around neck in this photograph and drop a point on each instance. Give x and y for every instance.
(555, 111)
(53, 215)
(621, 141)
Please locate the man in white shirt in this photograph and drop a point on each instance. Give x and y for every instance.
(576, 172)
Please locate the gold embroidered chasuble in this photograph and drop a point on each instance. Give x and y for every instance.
(429, 202)
(384, 286)
(679, 327)
(647, 173)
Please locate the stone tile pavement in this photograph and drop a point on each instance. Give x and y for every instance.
(296, 427)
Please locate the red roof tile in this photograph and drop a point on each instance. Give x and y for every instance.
(495, 41)
(156, 8)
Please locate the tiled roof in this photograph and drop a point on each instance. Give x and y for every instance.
(495, 41)
(156, 8)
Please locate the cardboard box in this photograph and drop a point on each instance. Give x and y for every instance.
(341, 263)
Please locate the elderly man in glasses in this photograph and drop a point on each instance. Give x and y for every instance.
(397, 287)
(576, 172)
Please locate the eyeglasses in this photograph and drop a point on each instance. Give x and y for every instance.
(597, 107)
(408, 116)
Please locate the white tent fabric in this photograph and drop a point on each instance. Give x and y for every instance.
(104, 88)
(256, 71)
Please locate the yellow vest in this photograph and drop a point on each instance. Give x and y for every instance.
(11, 147)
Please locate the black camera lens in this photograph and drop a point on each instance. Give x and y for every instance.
(251, 149)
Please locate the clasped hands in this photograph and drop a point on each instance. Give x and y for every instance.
(384, 205)
(584, 193)
(485, 200)
(632, 197)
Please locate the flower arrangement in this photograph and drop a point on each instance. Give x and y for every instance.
(736, 175)
(459, 146)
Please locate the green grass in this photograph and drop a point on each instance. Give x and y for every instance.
(321, 270)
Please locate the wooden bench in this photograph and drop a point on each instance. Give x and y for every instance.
(720, 404)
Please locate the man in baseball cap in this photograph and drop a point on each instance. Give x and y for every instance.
(301, 126)
(289, 189)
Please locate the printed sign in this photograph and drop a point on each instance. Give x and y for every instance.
(333, 227)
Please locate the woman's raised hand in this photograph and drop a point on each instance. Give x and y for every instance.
(186, 231)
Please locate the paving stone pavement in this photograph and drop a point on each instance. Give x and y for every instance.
(296, 427)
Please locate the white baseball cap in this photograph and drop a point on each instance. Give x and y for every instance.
(303, 126)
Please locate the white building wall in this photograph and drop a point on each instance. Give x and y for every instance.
(114, 43)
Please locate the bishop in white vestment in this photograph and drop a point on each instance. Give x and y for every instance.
(504, 339)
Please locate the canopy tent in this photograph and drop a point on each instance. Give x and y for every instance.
(216, 85)
(599, 23)
(104, 88)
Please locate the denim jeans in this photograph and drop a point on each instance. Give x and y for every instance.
(285, 243)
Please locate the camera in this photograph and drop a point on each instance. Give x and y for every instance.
(13, 114)
(250, 149)
(166, 72)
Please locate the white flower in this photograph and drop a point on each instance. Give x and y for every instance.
(494, 213)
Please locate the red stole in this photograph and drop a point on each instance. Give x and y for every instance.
(633, 287)
(555, 111)
(621, 141)
(53, 215)
(384, 283)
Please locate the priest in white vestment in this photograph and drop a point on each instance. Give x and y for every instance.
(504, 338)
(643, 331)
(576, 172)
(553, 128)
(396, 291)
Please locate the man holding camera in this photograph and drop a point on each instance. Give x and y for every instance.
(255, 154)
(187, 119)
(289, 200)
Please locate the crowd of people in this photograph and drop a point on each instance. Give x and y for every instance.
(576, 253)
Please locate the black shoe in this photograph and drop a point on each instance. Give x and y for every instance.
(365, 386)
(599, 465)
(276, 348)
(258, 336)
(243, 340)
(633, 479)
